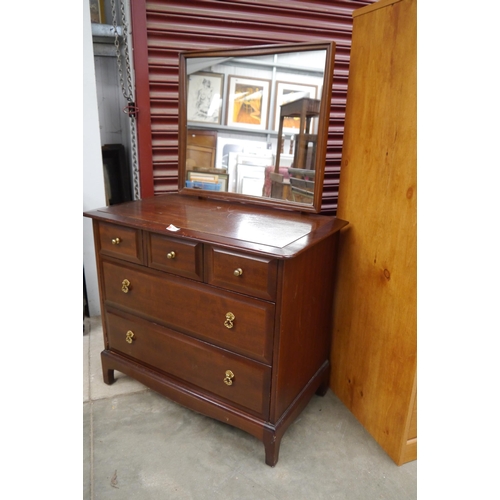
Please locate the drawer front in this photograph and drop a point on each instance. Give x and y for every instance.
(242, 324)
(252, 275)
(184, 258)
(193, 361)
(121, 242)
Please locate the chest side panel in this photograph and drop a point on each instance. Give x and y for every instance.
(304, 322)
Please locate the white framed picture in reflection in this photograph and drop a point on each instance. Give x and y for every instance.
(287, 92)
(204, 99)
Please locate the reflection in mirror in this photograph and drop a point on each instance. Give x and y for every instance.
(254, 123)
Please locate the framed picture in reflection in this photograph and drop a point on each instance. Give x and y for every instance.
(287, 92)
(248, 102)
(204, 98)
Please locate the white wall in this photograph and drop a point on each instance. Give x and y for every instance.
(93, 179)
(114, 123)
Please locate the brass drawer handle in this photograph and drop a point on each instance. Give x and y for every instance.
(130, 336)
(125, 285)
(229, 320)
(171, 255)
(116, 241)
(238, 272)
(228, 379)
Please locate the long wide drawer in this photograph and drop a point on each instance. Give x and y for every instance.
(233, 377)
(230, 320)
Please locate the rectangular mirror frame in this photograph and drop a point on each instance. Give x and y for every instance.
(323, 123)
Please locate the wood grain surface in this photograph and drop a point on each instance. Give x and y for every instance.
(375, 328)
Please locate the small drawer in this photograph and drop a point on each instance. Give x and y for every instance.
(249, 274)
(229, 320)
(121, 242)
(246, 382)
(181, 257)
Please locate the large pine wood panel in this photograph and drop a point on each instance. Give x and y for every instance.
(375, 325)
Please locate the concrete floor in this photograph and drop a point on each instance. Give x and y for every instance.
(139, 445)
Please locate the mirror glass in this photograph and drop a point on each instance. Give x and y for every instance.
(253, 123)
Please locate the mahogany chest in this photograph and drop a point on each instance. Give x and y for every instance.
(225, 308)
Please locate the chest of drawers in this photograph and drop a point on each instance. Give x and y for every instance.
(224, 308)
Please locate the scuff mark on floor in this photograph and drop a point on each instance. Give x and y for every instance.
(114, 480)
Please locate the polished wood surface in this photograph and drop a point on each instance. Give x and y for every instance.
(193, 309)
(184, 258)
(122, 242)
(307, 296)
(179, 326)
(374, 354)
(252, 275)
(196, 362)
(279, 233)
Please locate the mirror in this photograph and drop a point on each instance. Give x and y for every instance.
(253, 123)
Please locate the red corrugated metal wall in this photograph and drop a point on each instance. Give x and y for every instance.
(163, 28)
